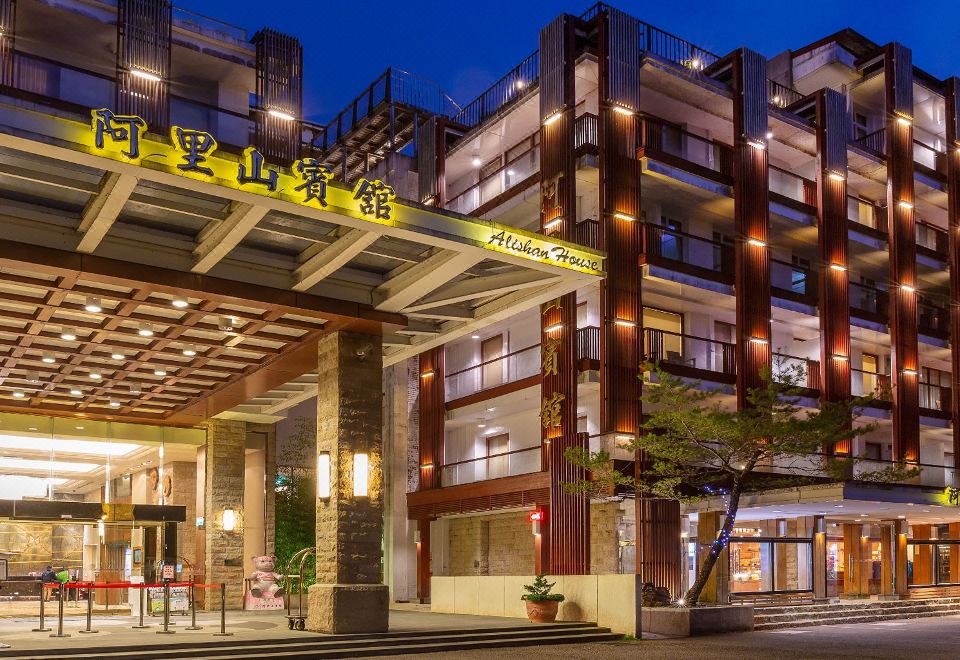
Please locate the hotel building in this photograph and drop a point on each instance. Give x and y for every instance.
(202, 293)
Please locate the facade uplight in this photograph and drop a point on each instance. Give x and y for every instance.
(361, 481)
(906, 205)
(625, 217)
(756, 242)
(906, 288)
(280, 114)
(909, 372)
(323, 475)
(553, 328)
(621, 110)
(626, 323)
(904, 120)
(759, 341)
(759, 145)
(836, 176)
(552, 223)
(552, 118)
(145, 75)
(840, 358)
(840, 268)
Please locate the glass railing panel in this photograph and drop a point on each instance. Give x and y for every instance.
(868, 383)
(493, 373)
(516, 171)
(666, 347)
(496, 466)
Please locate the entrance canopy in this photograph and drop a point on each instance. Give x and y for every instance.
(157, 278)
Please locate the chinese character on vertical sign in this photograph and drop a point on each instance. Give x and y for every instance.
(550, 194)
(253, 170)
(195, 147)
(122, 129)
(551, 414)
(551, 304)
(551, 363)
(375, 197)
(315, 176)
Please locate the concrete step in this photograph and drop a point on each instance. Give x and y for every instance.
(304, 645)
(902, 612)
(852, 605)
(863, 618)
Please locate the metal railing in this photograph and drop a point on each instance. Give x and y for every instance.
(666, 348)
(793, 186)
(781, 96)
(792, 278)
(786, 366)
(659, 136)
(508, 368)
(931, 317)
(697, 252)
(674, 49)
(587, 232)
(865, 213)
(934, 397)
(506, 464)
(866, 298)
(508, 89)
(518, 170)
(588, 343)
(866, 383)
(929, 157)
(585, 131)
(875, 142)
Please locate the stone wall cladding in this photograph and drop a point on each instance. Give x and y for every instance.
(506, 537)
(349, 420)
(604, 520)
(223, 489)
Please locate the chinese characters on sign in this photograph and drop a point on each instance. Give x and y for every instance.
(124, 129)
(551, 411)
(374, 198)
(315, 176)
(195, 146)
(551, 408)
(550, 357)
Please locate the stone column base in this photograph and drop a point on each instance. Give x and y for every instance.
(348, 608)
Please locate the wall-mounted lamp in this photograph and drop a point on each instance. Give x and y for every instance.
(280, 114)
(905, 204)
(619, 109)
(323, 475)
(759, 340)
(840, 268)
(229, 520)
(840, 358)
(836, 176)
(759, 145)
(625, 217)
(552, 118)
(626, 323)
(553, 328)
(552, 223)
(756, 242)
(906, 288)
(416, 536)
(904, 120)
(909, 372)
(623, 437)
(361, 481)
(426, 374)
(145, 75)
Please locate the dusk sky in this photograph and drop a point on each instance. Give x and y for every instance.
(465, 46)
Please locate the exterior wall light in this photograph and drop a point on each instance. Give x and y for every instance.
(552, 223)
(361, 479)
(229, 520)
(426, 374)
(621, 110)
(623, 437)
(145, 75)
(625, 217)
(552, 118)
(553, 328)
(909, 372)
(626, 323)
(759, 340)
(905, 205)
(759, 145)
(904, 120)
(906, 288)
(836, 176)
(840, 268)
(840, 358)
(756, 242)
(280, 114)
(323, 475)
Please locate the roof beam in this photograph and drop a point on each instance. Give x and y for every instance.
(104, 208)
(218, 238)
(416, 281)
(485, 287)
(332, 257)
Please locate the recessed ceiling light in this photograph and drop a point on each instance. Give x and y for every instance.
(68, 334)
(114, 403)
(145, 330)
(93, 305)
(118, 355)
(18, 394)
(48, 358)
(180, 303)
(94, 375)
(159, 371)
(189, 350)
(76, 391)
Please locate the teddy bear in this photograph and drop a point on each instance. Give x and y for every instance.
(263, 581)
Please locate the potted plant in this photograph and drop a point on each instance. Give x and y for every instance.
(542, 605)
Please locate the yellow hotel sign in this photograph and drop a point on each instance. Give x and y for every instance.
(308, 182)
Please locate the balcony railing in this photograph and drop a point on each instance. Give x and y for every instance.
(875, 142)
(931, 317)
(496, 466)
(868, 299)
(501, 93)
(793, 186)
(934, 397)
(516, 171)
(588, 343)
(929, 157)
(932, 237)
(658, 137)
(866, 383)
(587, 232)
(787, 366)
(585, 131)
(700, 255)
(674, 49)
(780, 96)
(866, 213)
(672, 348)
(793, 281)
(508, 368)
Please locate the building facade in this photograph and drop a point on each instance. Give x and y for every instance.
(796, 211)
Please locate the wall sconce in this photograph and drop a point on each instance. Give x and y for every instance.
(426, 374)
(361, 466)
(552, 118)
(416, 536)
(625, 217)
(323, 475)
(550, 224)
(759, 340)
(535, 518)
(229, 520)
(626, 323)
(553, 328)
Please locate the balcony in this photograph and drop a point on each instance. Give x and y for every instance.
(867, 383)
(786, 367)
(588, 348)
(696, 256)
(521, 171)
(793, 189)
(510, 368)
(868, 302)
(793, 282)
(507, 464)
(677, 147)
(688, 355)
(934, 398)
(927, 159)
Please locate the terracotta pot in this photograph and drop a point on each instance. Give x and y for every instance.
(544, 611)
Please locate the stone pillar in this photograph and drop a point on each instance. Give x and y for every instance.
(349, 596)
(223, 489)
(717, 589)
(400, 560)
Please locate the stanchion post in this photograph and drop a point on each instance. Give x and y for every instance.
(43, 599)
(193, 607)
(166, 610)
(60, 600)
(89, 629)
(223, 612)
(143, 606)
